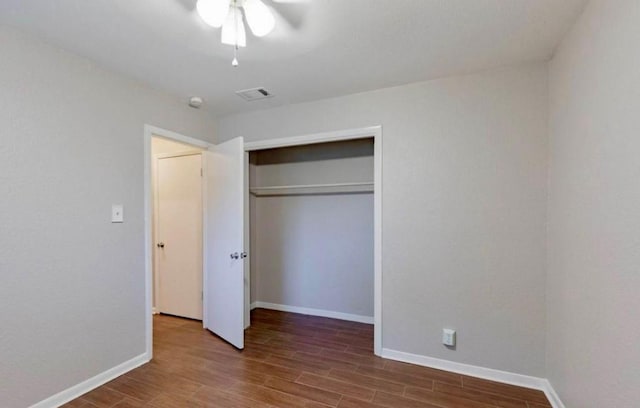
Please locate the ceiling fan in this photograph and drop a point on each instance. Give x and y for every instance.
(228, 14)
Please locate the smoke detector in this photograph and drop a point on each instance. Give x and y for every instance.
(196, 102)
(254, 94)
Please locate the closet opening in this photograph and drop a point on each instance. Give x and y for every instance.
(311, 228)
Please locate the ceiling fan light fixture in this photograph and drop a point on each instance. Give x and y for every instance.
(228, 15)
(233, 32)
(213, 12)
(259, 17)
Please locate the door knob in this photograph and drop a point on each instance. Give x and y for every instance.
(243, 255)
(235, 255)
(161, 245)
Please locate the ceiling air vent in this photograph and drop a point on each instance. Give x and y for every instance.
(254, 94)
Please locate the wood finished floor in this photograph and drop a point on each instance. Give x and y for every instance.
(291, 360)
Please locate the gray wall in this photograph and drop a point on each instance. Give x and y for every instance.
(314, 251)
(71, 283)
(464, 203)
(593, 286)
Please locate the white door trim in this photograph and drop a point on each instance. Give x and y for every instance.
(340, 135)
(149, 132)
(178, 154)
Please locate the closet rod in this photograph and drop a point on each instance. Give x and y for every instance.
(314, 186)
(331, 188)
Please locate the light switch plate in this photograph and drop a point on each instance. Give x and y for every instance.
(449, 337)
(117, 213)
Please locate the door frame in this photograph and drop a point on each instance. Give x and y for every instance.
(374, 132)
(156, 297)
(149, 132)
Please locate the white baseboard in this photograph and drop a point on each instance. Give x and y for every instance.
(505, 377)
(491, 374)
(94, 382)
(552, 395)
(154, 310)
(313, 312)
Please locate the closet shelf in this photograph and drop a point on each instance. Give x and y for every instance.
(310, 189)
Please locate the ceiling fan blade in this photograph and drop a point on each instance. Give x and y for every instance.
(213, 12)
(259, 17)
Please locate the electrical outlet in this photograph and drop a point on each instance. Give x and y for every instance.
(449, 337)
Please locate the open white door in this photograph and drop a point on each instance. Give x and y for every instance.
(224, 241)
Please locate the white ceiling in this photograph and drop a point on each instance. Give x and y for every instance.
(320, 48)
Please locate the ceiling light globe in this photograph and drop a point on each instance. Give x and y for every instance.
(259, 17)
(213, 12)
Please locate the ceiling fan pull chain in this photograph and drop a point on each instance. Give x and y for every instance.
(234, 62)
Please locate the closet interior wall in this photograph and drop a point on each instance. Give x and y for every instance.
(312, 227)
